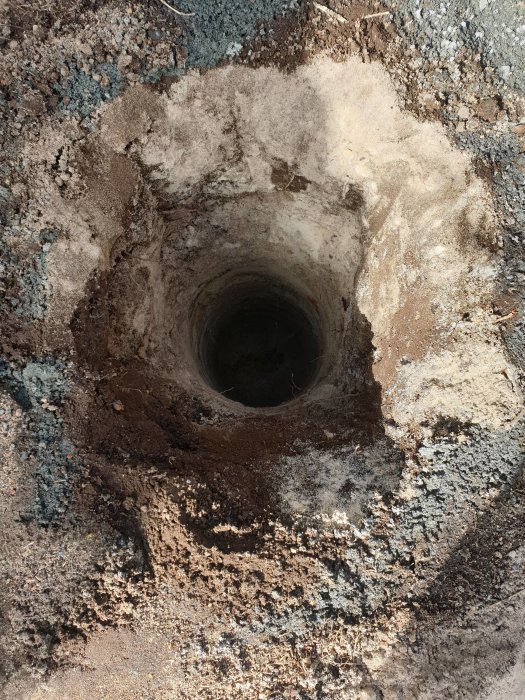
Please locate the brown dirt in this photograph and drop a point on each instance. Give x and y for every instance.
(178, 569)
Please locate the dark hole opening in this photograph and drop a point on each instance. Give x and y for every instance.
(260, 345)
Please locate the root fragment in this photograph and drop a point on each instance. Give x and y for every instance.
(174, 9)
(507, 317)
(376, 14)
(330, 13)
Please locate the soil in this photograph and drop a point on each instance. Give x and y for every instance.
(364, 540)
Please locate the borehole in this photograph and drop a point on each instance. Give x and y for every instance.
(260, 343)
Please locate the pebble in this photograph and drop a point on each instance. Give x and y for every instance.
(504, 72)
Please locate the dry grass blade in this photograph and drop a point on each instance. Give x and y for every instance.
(376, 14)
(174, 9)
(330, 13)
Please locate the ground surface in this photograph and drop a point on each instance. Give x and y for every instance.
(158, 542)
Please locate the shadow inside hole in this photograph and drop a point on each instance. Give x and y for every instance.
(260, 346)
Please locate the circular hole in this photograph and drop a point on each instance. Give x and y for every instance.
(260, 344)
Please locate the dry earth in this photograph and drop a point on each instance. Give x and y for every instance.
(364, 165)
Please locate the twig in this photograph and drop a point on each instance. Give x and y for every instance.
(508, 316)
(174, 9)
(330, 13)
(504, 600)
(377, 14)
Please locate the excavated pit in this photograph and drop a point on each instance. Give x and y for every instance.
(280, 293)
(246, 353)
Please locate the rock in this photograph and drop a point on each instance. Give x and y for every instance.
(487, 110)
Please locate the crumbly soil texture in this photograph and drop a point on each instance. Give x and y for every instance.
(262, 350)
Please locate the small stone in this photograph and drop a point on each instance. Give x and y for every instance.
(118, 406)
(124, 61)
(504, 72)
(463, 113)
(487, 110)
